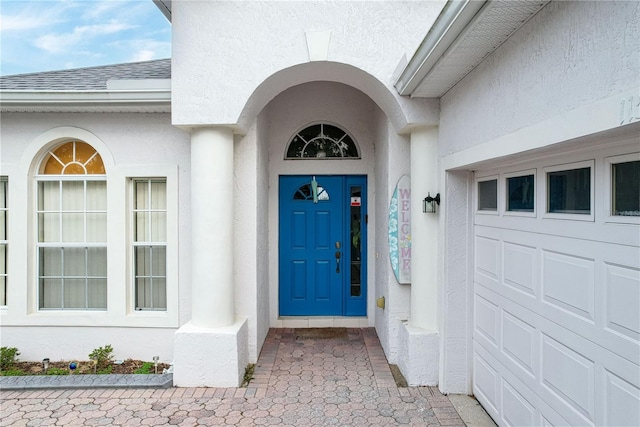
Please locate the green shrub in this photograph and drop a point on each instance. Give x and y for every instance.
(103, 357)
(8, 357)
(146, 368)
(12, 372)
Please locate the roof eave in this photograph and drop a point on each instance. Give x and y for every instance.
(465, 33)
(165, 7)
(147, 100)
(453, 19)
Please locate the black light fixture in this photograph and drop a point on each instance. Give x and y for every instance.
(429, 203)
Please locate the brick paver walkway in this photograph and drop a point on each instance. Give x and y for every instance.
(343, 381)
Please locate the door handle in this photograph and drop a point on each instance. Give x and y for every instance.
(338, 254)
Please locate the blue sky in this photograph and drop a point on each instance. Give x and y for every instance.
(49, 35)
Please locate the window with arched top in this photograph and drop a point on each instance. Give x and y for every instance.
(322, 141)
(73, 158)
(72, 229)
(305, 192)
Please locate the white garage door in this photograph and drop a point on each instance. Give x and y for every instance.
(557, 289)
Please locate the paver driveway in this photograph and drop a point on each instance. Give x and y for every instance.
(301, 379)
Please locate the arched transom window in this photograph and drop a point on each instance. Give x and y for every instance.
(322, 141)
(74, 157)
(72, 229)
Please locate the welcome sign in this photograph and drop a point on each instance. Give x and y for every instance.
(400, 230)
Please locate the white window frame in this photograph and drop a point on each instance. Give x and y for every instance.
(518, 174)
(322, 124)
(499, 197)
(4, 180)
(608, 190)
(544, 191)
(153, 318)
(134, 243)
(61, 244)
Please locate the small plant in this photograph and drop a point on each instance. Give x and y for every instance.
(12, 372)
(106, 370)
(146, 368)
(8, 357)
(57, 371)
(103, 357)
(248, 375)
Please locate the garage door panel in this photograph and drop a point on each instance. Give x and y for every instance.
(486, 321)
(520, 272)
(583, 230)
(517, 411)
(569, 375)
(589, 287)
(487, 257)
(486, 382)
(519, 342)
(568, 284)
(623, 401)
(518, 332)
(522, 405)
(622, 296)
(565, 369)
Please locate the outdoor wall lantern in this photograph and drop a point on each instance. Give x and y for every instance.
(429, 203)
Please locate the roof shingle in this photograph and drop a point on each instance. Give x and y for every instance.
(89, 79)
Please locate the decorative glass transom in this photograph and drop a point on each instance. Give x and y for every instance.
(322, 141)
(73, 158)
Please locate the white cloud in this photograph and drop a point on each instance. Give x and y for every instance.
(99, 8)
(56, 43)
(143, 55)
(32, 17)
(12, 23)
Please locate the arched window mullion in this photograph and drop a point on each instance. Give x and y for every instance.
(329, 142)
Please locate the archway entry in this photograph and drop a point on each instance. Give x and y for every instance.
(322, 245)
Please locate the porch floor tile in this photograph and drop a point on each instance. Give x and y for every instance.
(315, 378)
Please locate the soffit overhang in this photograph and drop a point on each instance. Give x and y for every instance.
(463, 35)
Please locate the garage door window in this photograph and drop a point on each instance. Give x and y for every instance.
(520, 193)
(569, 190)
(625, 189)
(488, 195)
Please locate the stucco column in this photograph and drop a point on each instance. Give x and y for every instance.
(211, 350)
(212, 226)
(418, 340)
(424, 229)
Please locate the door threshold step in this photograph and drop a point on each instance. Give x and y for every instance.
(321, 322)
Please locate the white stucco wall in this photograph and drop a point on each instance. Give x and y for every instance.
(392, 161)
(246, 233)
(223, 51)
(131, 145)
(262, 313)
(570, 54)
(251, 267)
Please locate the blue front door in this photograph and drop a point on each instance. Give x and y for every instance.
(322, 246)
